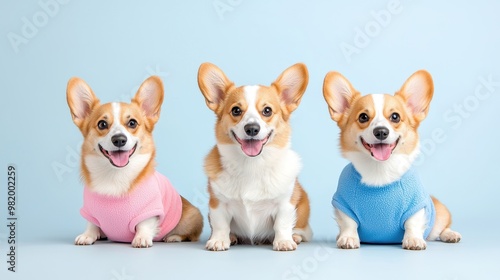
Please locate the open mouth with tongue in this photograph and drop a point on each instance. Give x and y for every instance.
(118, 158)
(252, 147)
(380, 151)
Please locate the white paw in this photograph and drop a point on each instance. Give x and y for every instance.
(348, 242)
(85, 239)
(172, 238)
(233, 238)
(284, 245)
(218, 245)
(297, 238)
(450, 236)
(414, 243)
(141, 241)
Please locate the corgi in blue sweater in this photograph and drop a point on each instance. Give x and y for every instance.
(379, 197)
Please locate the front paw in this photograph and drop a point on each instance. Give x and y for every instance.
(414, 243)
(348, 242)
(141, 241)
(284, 245)
(218, 244)
(85, 239)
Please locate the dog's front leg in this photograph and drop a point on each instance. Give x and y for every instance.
(220, 222)
(283, 228)
(89, 236)
(145, 231)
(414, 231)
(348, 237)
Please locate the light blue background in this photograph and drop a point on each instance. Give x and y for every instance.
(115, 45)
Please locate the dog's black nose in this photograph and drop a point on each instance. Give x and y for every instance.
(252, 129)
(119, 140)
(381, 132)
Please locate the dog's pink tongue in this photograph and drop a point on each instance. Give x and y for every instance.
(252, 147)
(381, 151)
(119, 158)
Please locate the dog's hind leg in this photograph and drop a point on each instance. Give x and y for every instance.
(302, 231)
(190, 225)
(441, 229)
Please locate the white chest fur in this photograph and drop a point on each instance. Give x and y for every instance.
(253, 189)
(376, 173)
(112, 181)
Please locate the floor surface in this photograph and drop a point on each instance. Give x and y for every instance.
(473, 258)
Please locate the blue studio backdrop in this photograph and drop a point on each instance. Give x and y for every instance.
(115, 45)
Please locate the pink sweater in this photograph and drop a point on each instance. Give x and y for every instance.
(118, 216)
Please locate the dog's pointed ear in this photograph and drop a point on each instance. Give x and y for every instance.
(339, 94)
(150, 97)
(417, 92)
(213, 84)
(81, 100)
(291, 85)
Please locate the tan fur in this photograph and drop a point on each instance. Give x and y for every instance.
(442, 225)
(267, 97)
(443, 215)
(221, 95)
(213, 168)
(146, 110)
(214, 201)
(407, 126)
(301, 201)
(357, 104)
(345, 104)
(189, 227)
(231, 96)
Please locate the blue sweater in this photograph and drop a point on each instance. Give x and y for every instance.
(381, 211)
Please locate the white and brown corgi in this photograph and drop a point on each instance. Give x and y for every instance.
(125, 199)
(379, 198)
(255, 196)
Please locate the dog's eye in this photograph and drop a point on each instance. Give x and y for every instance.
(102, 125)
(363, 118)
(395, 118)
(267, 112)
(236, 111)
(132, 123)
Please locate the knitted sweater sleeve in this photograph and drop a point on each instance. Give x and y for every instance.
(346, 189)
(416, 197)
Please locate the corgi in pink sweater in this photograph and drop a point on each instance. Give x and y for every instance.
(125, 199)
